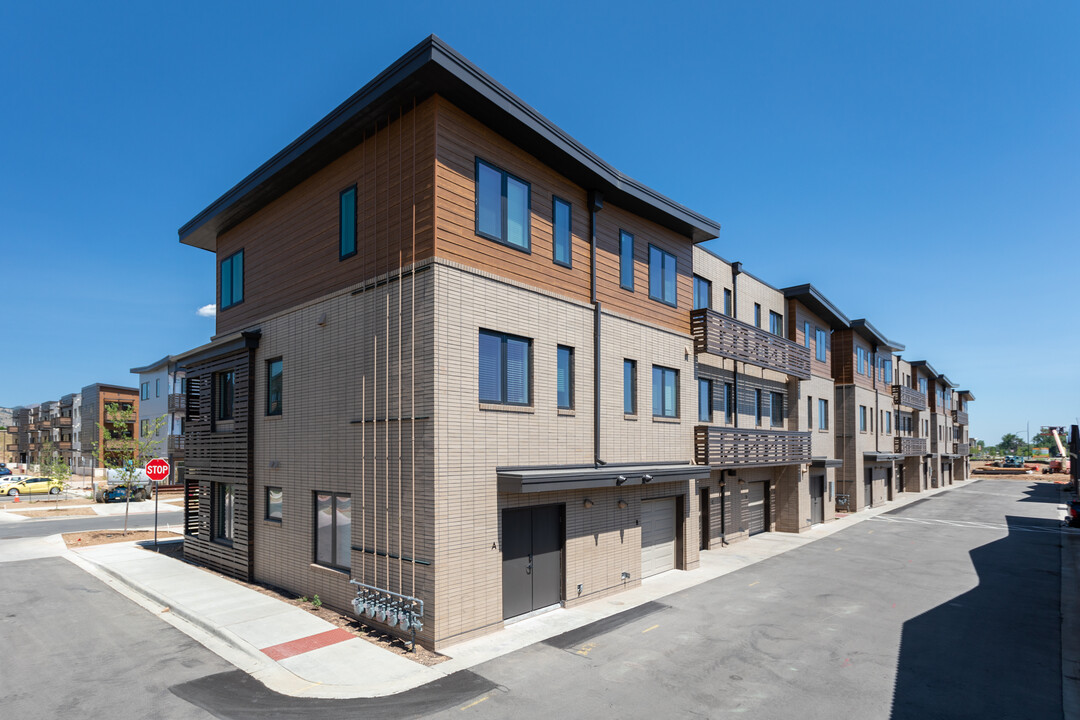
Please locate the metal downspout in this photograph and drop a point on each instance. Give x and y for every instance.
(596, 203)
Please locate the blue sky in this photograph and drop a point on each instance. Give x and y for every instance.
(918, 161)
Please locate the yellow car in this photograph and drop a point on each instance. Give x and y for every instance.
(27, 485)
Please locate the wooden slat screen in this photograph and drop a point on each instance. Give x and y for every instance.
(960, 417)
(909, 446)
(718, 334)
(738, 447)
(908, 397)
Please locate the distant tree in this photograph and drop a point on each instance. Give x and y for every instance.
(1046, 440)
(55, 466)
(123, 453)
(1010, 444)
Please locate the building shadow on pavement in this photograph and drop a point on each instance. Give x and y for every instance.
(1046, 491)
(995, 651)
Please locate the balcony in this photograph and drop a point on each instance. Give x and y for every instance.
(123, 416)
(908, 397)
(717, 334)
(909, 445)
(176, 445)
(13, 447)
(960, 448)
(13, 429)
(960, 417)
(120, 444)
(61, 422)
(738, 447)
(64, 445)
(177, 403)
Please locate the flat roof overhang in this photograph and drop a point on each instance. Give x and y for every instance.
(966, 394)
(588, 477)
(433, 67)
(818, 304)
(882, 457)
(872, 335)
(824, 462)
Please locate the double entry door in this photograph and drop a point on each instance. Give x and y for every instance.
(532, 548)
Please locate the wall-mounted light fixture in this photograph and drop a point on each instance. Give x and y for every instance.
(622, 504)
(741, 481)
(620, 480)
(646, 478)
(322, 320)
(588, 503)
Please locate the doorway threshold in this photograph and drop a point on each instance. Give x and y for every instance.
(534, 613)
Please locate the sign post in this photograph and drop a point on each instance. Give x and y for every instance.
(157, 470)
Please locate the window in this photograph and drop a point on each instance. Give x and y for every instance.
(232, 280)
(776, 323)
(157, 387)
(502, 206)
(144, 428)
(862, 418)
(626, 260)
(922, 385)
(729, 402)
(144, 391)
(757, 405)
(505, 369)
(347, 223)
(333, 530)
(565, 377)
(224, 383)
(661, 275)
(727, 302)
(886, 370)
(860, 357)
(888, 422)
(809, 413)
(560, 222)
(224, 504)
(757, 314)
(273, 387)
(273, 503)
(705, 400)
(806, 333)
(629, 387)
(702, 293)
(776, 409)
(820, 344)
(665, 392)
(823, 414)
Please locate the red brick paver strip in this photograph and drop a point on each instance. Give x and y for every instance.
(307, 644)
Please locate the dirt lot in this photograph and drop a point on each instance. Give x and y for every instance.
(61, 511)
(101, 537)
(348, 622)
(1036, 476)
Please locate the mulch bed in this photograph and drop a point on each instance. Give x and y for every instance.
(101, 537)
(53, 512)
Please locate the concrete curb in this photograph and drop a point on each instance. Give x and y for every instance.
(1070, 621)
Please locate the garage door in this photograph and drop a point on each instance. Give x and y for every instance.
(755, 507)
(657, 536)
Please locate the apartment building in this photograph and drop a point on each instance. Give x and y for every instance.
(162, 409)
(93, 412)
(461, 360)
(912, 437)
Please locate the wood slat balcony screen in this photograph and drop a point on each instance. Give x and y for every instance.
(176, 444)
(62, 445)
(738, 447)
(717, 334)
(61, 422)
(908, 397)
(177, 403)
(909, 446)
(13, 448)
(961, 448)
(960, 417)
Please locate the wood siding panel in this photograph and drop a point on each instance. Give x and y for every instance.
(797, 314)
(460, 140)
(291, 245)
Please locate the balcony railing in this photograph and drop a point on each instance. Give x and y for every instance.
(13, 429)
(63, 445)
(120, 444)
(61, 422)
(908, 397)
(909, 446)
(738, 447)
(176, 444)
(13, 447)
(177, 403)
(960, 448)
(123, 416)
(717, 334)
(960, 417)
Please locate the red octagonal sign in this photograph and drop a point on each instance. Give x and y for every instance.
(158, 469)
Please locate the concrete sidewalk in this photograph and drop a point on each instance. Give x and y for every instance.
(295, 653)
(11, 511)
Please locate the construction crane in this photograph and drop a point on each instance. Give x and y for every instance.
(1061, 463)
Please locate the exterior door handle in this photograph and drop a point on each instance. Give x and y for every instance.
(528, 568)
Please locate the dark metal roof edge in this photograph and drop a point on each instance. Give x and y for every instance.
(924, 364)
(868, 331)
(946, 381)
(151, 366)
(808, 291)
(228, 343)
(434, 50)
(109, 385)
(971, 395)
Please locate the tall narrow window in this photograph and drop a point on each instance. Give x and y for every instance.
(757, 405)
(757, 314)
(273, 503)
(505, 369)
(273, 387)
(333, 529)
(809, 413)
(729, 403)
(665, 392)
(821, 346)
(560, 221)
(662, 275)
(806, 334)
(224, 507)
(823, 414)
(232, 280)
(922, 385)
(888, 422)
(629, 387)
(860, 361)
(727, 302)
(776, 323)
(157, 387)
(144, 391)
(626, 260)
(705, 404)
(502, 206)
(776, 409)
(224, 395)
(565, 377)
(862, 418)
(347, 223)
(702, 293)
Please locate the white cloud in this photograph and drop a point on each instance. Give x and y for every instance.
(207, 310)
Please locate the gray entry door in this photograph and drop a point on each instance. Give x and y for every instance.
(868, 487)
(657, 536)
(532, 559)
(755, 507)
(817, 499)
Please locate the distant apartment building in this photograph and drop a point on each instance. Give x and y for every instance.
(94, 412)
(460, 358)
(162, 408)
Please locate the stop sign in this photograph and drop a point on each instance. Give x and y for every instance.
(157, 469)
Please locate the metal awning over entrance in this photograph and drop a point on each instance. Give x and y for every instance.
(881, 457)
(583, 477)
(824, 462)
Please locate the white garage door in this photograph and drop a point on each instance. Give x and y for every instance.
(755, 507)
(657, 536)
